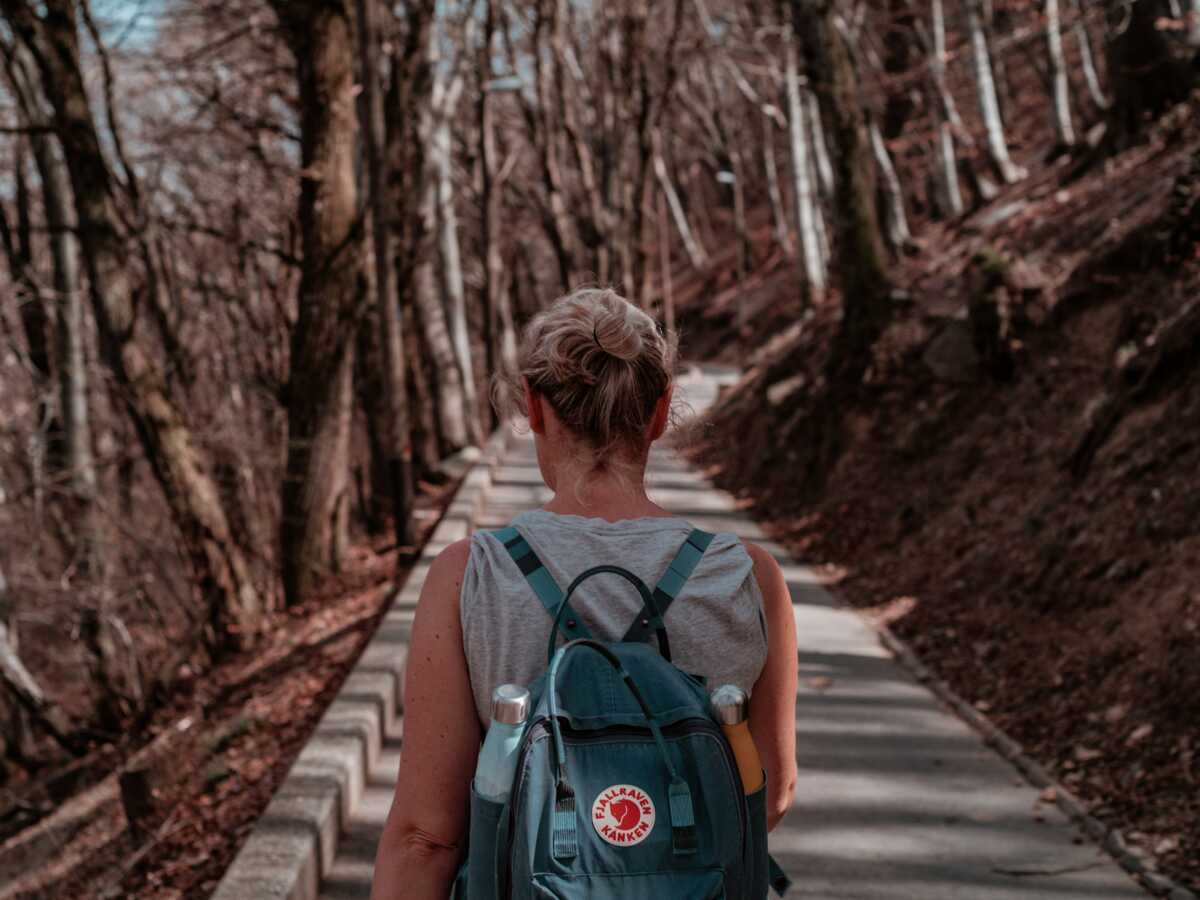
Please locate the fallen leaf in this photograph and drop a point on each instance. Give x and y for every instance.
(1116, 713)
(1139, 734)
(1166, 845)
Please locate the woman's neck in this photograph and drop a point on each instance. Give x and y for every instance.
(603, 494)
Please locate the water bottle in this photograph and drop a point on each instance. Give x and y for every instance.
(731, 707)
(498, 758)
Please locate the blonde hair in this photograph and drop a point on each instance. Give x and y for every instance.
(601, 363)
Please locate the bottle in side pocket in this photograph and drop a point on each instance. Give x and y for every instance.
(498, 757)
(732, 709)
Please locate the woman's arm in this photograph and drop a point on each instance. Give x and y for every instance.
(773, 705)
(422, 841)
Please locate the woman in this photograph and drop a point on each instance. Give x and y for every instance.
(595, 384)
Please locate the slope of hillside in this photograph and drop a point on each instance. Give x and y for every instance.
(1025, 514)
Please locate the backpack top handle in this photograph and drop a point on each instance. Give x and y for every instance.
(650, 611)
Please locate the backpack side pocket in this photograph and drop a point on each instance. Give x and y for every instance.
(481, 847)
(757, 877)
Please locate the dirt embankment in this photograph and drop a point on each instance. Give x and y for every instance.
(1025, 511)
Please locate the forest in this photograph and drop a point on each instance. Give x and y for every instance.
(263, 258)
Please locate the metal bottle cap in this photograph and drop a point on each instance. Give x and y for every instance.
(510, 704)
(730, 704)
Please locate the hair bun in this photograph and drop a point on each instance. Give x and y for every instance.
(567, 356)
(617, 334)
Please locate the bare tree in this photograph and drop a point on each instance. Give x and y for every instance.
(945, 113)
(444, 98)
(783, 234)
(70, 362)
(896, 219)
(1058, 74)
(330, 301)
(1086, 60)
(1146, 71)
(179, 463)
(22, 685)
(691, 245)
(989, 103)
(392, 358)
(502, 347)
(858, 245)
(821, 165)
(807, 210)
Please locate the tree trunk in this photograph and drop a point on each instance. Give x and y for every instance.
(1058, 72)
(451, 399)
(1146, 75)
(945, 113)
(31, 700)
(1086, 59)
(653, 90)
(695, 252)
(664, 251)
(422, 403)
(947, 166)
(315, 482)
(557, 222)
(937, 66)
(70, 361)
(594, 228)
(452, 277)
(739, 211)
(495, 286)
(859, 252)
(820, 164)
(893, 197)
(989, 103)
(179, 464)
(395, 430)
(806, 206)
(45, 441)
(783, 235)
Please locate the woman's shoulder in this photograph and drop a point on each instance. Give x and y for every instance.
(766, 566)
(769, 577)
(450, 563)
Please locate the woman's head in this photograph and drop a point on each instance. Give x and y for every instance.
(601, 364)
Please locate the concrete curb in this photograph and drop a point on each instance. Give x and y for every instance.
(1142, 867)
(295, 840)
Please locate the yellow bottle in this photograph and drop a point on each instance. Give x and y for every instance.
(732, 707)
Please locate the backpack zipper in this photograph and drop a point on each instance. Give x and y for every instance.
(540, 728)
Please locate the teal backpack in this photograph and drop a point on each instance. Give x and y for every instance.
(625, 784)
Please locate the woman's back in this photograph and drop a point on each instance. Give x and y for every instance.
(594, 379)
(716, 626)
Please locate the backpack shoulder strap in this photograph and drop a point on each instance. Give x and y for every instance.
(542, 582)
(671, 583)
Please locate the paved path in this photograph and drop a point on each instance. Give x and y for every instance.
(897, 799)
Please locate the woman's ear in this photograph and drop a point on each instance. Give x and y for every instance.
(533, 403)
(662, 414)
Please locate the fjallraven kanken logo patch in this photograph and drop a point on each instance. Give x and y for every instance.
(623, 815)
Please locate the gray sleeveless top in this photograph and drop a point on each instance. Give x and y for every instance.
(716, 626)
